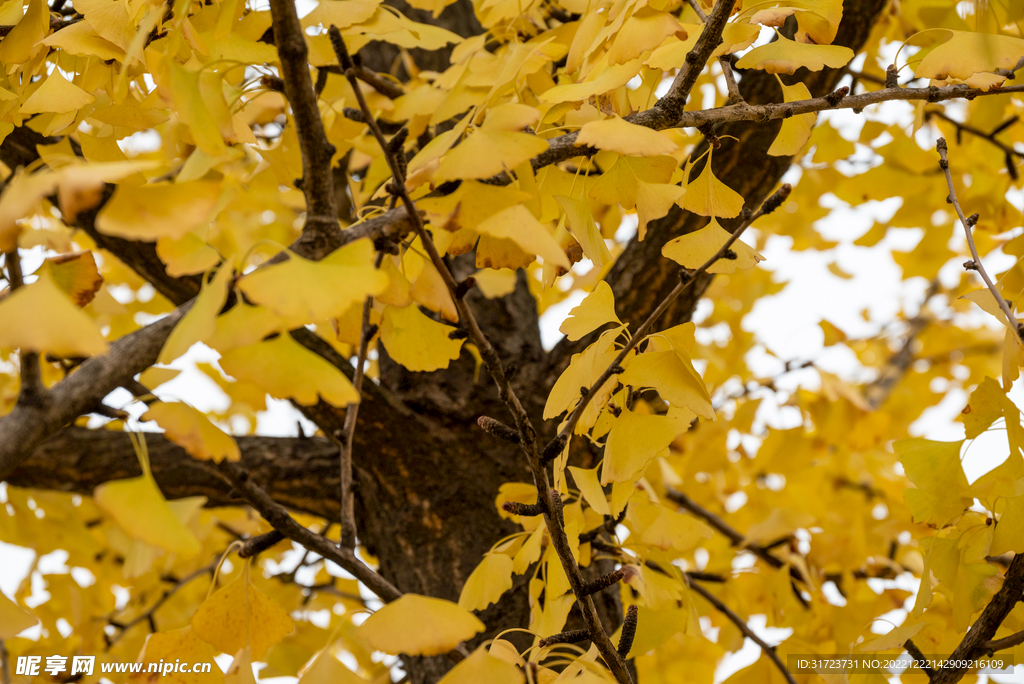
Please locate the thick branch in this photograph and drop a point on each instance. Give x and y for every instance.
(317, 178)
(976, 642)
(26, 426)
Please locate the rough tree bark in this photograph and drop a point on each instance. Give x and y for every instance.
(427, 476)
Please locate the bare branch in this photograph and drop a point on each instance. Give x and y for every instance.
(710, 38)
(741, 624)
(723, 61)
(564, 147)
(348, 514)
(968, 224)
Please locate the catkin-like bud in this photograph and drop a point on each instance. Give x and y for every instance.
(601, 583)
(628, 631)
(498, 429)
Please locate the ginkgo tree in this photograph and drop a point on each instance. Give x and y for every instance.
(364, 209)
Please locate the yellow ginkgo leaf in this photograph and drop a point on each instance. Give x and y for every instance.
(654, 200)
(419, 625)
(966, 53)
(502, 253)
(76, 274)
(287, 370)
(240, 671)
(178, 645)
(139, 508)
(894, 638)
(151, 378)
(302, 291)
(1009, 534)
(635, 439)
(23, 42)
(480, 667)
(619, 183)
(64, 330)
(192, 431)
(796, 130)
(486, 584)
(189, 102)
(158, 210)
(326, 668)
(618, 135)
(665, 528)
(590, 488)
(583, 227)
(187, 255)
(56, 95)
(487, 153)
(673, 375)
(596, 309)
(643, 31)
(519, 225)
(599, 81)
(941, 490)
(780, 522)
(20, 199)
(694, 249)
(14, 619)
(785, 56)
(243, 325)
(417, 342)
(708, 196)
(199, 322)
(239, 615)
(495, 147)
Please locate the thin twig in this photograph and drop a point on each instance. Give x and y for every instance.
(768, 206)
(33, 392)
(917, 655)
(275, 514)
(148, 615)
(977, 132)
(723, 527)
(348, 514)
(528, 440)
(730, 78)
(742, 626)
(662, 117)
(968, 224)
(382, 84)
